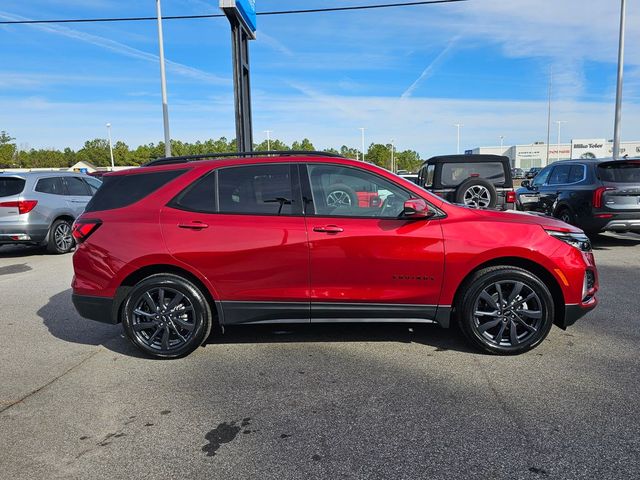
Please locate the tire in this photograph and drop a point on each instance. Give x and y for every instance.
(341, 196)
(566, 215)
(171, 335)
(477, 193)
(505, 330)
(60, 239)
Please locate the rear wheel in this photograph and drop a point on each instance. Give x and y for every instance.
(505, 310)
(566, 216)
(166, 316)
(60, 239)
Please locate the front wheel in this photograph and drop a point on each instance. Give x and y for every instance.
(166, 316)
(505, 310)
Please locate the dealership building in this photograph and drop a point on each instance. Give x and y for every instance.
(535, 155)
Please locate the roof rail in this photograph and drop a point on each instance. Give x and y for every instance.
(208, 156)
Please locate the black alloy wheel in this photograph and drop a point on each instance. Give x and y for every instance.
(60, 239)
(505, 310)
(166, 316)
(566, 216)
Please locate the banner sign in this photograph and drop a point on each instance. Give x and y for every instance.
(246, 11)
(590, 148)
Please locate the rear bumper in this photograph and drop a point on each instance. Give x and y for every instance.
(22, 233)
(573, 313)
(622, 225)
(99, 309)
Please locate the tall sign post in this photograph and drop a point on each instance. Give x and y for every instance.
(242, 17)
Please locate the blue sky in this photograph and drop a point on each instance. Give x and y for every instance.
(405, 74)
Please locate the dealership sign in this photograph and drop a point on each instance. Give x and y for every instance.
(246, 12)
(598, 148)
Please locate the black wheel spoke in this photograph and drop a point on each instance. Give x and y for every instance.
(490, 324)
(498, 337)
(138, 327)
(182, 324)
(178, 333)
(165, 338)
(150, 302)
(500, 296)
(490, 300)
(137, 311)
(517, 288)
(513, 333)
(155, 334)
(161, 297)
(525, 324)
(176, 300)
(530, 313)
(480, 313)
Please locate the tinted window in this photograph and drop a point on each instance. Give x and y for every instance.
(199, 197)
(11, 186)
(94, 184)
(122, 190)
(621, 172)
(256, 189)
(541, 178)
(577, 173)
(560, 175)
(75, 186)
(52, 185)
(454, 174)
(428, 181)
(350, 192)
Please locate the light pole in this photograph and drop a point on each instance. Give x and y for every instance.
(501, 143)
(549, 115)
(362, 132)
(393, 158)
(110, 146)
(458, 126)
(268, 132)
(559, 122)
(616, 127)
(163, 85)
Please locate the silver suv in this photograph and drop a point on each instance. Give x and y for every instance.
(38, 208)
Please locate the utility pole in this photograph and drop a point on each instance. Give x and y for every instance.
(163, 82)
(618, 119)
(268, 132)
(549, 115)
(458, 125)
(501, 143)
(362, 132)
(110, 146)
(559, 122)
(393, 158)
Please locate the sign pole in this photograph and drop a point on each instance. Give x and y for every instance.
(241, 16)
(618, 114)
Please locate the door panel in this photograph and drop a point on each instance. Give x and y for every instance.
(258, 263)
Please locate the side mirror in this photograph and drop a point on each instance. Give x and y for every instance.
(526, 184)
(417, 208)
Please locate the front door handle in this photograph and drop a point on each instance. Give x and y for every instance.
(193, 225)
(328, 229)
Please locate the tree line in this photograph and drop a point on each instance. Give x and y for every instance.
(97, 152)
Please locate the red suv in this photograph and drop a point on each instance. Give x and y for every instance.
(170, 248)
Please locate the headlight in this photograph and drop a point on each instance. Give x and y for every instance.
(577, 240)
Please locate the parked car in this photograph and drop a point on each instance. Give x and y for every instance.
(479, 181)
(39, 208)
(412, 177)
(595, 195)
(532, 172)
(517, 173)
(172, 247)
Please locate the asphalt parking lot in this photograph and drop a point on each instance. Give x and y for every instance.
(362, 402)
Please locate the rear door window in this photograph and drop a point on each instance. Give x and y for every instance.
(453, 174)
(50, 185)
(10, 186)
(76, 187)
(257, 190)
(560, 175)
(620, 171)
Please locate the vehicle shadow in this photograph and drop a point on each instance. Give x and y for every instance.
(62, 321)
(14, 251)
(605, 241)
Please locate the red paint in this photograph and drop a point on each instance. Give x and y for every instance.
(328, 259)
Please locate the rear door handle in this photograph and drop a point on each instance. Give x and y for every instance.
(193, 225)
(328, 229)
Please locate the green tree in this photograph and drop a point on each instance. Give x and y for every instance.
(7, 150)
(408, 160)
(349, 152)
(96, 151)
(304, 145)
(274, 145)
(379, 154)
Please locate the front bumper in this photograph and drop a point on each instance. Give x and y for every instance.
(572, 313)
(99, 309)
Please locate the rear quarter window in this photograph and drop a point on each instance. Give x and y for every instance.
(453, 174)
(11, 186)
(124, 190)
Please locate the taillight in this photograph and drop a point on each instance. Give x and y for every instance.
(84, 227)
(511, 196)
(598, 194)
(23, 206)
